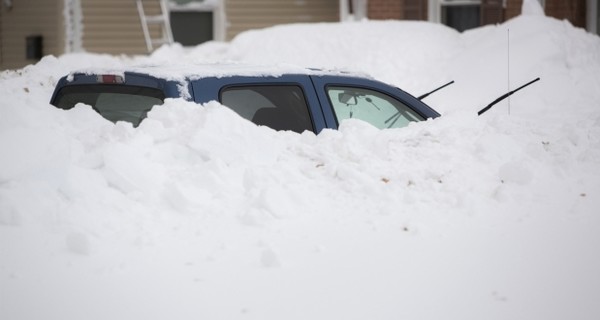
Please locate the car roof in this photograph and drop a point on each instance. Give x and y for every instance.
(184, 72)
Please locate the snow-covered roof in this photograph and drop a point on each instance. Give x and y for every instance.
(184, 71)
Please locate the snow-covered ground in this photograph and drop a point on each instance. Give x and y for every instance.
(199, 214)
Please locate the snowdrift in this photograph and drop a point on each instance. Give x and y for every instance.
(199, 214)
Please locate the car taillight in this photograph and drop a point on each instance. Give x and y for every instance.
(109, 78)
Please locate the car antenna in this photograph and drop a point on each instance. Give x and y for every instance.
(423, 96)
(504, 96)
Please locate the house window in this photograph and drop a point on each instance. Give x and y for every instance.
(196, 21)
(191, 28)
(461, 14)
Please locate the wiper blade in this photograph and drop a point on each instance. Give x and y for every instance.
(423, 96)
(397, 115)
(504, 96)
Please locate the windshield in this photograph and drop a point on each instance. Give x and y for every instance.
(113, 102)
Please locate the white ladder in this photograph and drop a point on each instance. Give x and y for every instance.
(162, 19)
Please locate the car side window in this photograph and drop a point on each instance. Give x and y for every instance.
(280, 107)
(379, 109)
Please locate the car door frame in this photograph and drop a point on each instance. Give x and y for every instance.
(210, 89)
(321, 82)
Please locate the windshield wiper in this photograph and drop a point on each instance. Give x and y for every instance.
(423, 96)
(504, 96)
(397, 115)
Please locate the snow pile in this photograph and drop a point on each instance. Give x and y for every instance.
(532, 7)
(198, 213)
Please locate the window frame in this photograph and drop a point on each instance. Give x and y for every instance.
(271, 84)
(386, 94)
(206, 89)
(321, 81)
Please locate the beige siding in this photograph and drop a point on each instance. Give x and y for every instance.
(27, 18)
(243, 15)
(113, 26)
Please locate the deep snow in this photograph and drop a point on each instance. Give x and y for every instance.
(199, 214)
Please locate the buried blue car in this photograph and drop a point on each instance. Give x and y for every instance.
(295, 99)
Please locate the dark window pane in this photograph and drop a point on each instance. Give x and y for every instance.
(461, 17)
(113, 102)
(191, 28)
(278, 107)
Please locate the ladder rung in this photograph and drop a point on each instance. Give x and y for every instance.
(155, 19)
(160, 41)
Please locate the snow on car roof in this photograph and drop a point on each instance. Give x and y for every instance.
(182, 72)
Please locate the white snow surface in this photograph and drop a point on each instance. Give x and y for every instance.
(532, 7)
(200, 214)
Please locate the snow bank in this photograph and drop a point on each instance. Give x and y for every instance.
(198, 213)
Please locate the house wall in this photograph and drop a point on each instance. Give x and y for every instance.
(244, 15)
(1, 42)
(26, 18)
(385, 9)
(397, 9)
(513, 9)
(572, 10)
(492, 12)
(114, 27)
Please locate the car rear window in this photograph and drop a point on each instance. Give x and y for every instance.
(113, 102)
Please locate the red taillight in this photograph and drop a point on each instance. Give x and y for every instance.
(109, 78)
